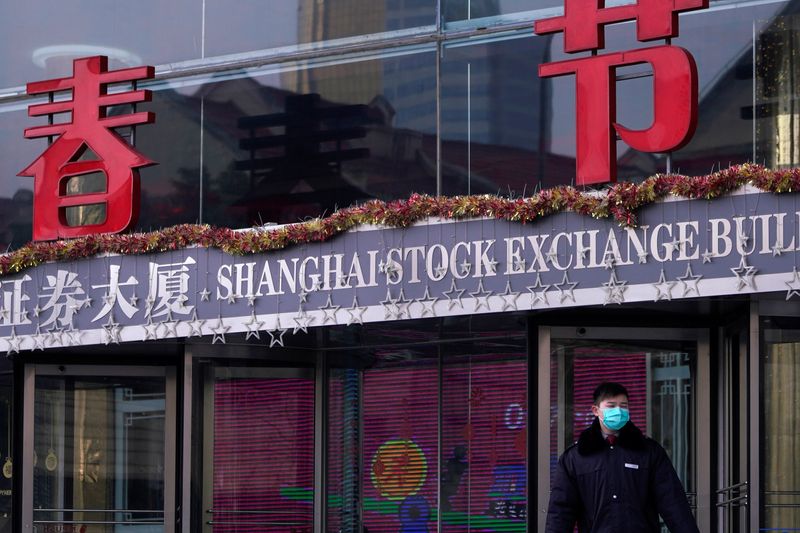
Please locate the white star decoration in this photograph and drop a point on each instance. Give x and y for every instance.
(609, 260)
(793, 284)
(663, 288)
(689, 281)
(481, 297)
(566, 289)
(112, 331)
(13, 342)
(195, 325)
(402, 304)
(39, 339)
(73, 336)
(170, 325)
(151, 329)
(253, 327)
(427, 302)
(509, 298)
(302, 321)
(276, 335)
(356, 312)
(615, 290)
(538, 291)
(745, 275)
(453, 301)
(329, 311)
(219, 332)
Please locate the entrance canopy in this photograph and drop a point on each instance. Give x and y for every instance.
(744, 242)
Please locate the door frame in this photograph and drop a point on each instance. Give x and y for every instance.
(30, 372)
(703, 399)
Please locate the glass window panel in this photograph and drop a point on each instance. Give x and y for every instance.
(6, 442)
(383, 441)
(721, 41)
(395, 410)
(483, 12)
(259, 458)
(261, 25)
(39, 39)
(506, 132)
(504, 129)
(660, 379)
(288, 144)
(776, 112)
(780, 435)
(99, 453)
(484, 437)
(171, 188)
(16, 193)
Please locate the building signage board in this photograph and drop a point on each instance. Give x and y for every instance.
(745, 242)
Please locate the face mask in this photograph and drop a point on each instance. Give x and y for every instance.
(615, 417)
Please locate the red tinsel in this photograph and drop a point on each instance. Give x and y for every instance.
(620, 200)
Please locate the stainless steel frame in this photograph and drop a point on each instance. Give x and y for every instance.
(29, 382)
(703, 438)
(754, 403)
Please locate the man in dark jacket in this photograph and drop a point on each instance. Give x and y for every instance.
(616, 480)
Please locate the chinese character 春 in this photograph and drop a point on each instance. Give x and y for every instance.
(57, 170)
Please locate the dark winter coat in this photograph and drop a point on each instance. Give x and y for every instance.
(617, 489)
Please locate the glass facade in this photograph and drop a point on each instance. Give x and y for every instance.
(433, 437)
(274, 115)
(780, 435)
(275, 112)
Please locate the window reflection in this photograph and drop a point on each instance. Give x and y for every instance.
(294, 144)
(500, 126)
(776, 111)
(262, 25)
(469, 10)
(170, 190)
(394, 413)
(780, 437)
(41, 38)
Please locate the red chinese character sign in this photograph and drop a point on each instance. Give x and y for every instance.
(89, 129)
(674, 80)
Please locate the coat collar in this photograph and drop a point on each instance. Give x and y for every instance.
(592, 440)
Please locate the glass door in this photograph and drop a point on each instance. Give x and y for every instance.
(666, 374)
(257, 448)
(103, 454)
(732, 485)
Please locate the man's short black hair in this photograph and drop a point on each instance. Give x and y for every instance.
(608, 389)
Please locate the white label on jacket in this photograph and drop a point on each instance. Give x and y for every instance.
(629, 465)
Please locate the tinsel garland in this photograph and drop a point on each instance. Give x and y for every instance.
(620, 201)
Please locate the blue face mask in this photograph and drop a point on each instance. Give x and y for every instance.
(615, 418)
